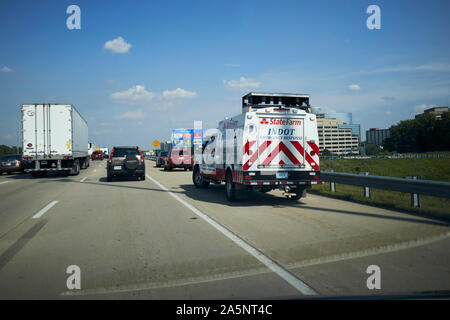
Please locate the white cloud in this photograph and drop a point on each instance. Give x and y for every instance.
(118, 45)
(421, 107)
(135, 94)
(354, 87)
(242, 83)
(131, 115)
(178, 93)
(6, 69)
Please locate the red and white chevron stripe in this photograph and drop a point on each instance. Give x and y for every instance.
(280, 153)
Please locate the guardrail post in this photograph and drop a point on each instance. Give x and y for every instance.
(332, 184)
(367, 193)
(415, 199)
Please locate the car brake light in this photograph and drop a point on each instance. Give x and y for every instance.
(142, 158)
(110, 156)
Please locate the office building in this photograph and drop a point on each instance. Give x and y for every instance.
(377, 136)
(335, 138)
(437, 111)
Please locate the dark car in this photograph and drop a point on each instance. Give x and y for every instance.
(97, 155)
(12, 163)
(126, 161)
(161, 159)
(179, 157)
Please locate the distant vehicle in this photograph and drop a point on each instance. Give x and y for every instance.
(126, 161)
(160, 161)
(12, 163)
(276, 146)
(91, 148)
(55, 138)
(179, 157)
(105, 151)
(97, 155)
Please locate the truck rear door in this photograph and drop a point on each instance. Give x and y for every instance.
(59, 126)
(280, 142)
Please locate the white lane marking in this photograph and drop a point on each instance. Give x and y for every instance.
(298, 284)
(95, 170)
(45, 209)
(371, 251)
(4, 182)
(82, 180)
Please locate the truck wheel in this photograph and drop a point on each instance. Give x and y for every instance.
(108, 178)
(143, 177)
(84, 164)
(299, 193)
(75, 168)
(198, 180)
(230, 187)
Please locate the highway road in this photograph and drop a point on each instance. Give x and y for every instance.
(164, 239)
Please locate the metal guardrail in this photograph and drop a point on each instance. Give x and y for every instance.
(387, 156)
(408, 185)
(150, 157)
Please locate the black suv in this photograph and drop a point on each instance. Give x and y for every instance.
(126, 161)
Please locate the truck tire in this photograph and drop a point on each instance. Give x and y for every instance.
(108, 178)
(198, 180)
(230, 187)
(299, 193)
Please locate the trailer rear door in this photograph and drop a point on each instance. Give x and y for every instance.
(47, 130)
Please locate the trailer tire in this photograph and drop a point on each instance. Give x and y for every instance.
(75, 168)
(230, 187)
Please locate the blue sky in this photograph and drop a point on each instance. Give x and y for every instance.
(138, 69)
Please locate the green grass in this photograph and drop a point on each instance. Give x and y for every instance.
(424, 168)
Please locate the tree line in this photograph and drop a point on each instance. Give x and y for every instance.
(423, 134)
(4, 150)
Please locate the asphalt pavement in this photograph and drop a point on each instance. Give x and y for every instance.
(162, 238)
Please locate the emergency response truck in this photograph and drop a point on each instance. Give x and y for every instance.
(272, 144)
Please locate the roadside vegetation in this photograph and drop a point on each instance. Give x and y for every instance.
(4, 150)
(424, 168)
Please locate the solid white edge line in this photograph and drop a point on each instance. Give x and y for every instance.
(298, 284)
(82, 180)
(4, 182)
(45, 209)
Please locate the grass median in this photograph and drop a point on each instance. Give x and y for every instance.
(424, 168)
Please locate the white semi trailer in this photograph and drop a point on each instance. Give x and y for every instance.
(55, 138)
